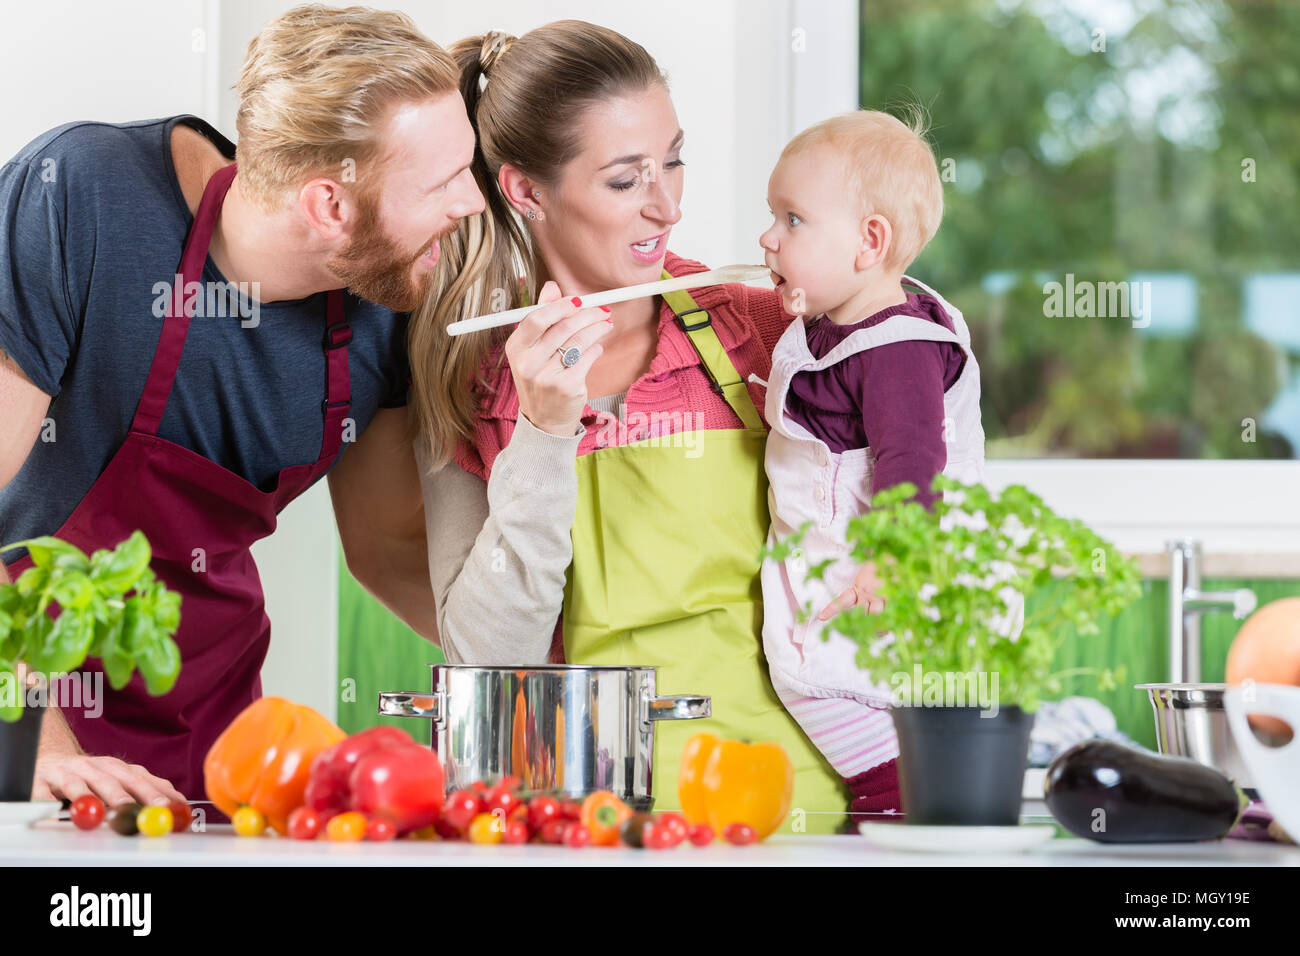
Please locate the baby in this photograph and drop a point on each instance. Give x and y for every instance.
(872, 385)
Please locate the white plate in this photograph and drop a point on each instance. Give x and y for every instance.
(19, 813)
(902, 836)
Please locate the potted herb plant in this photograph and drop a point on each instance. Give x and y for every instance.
(110, 605)
(967, 666)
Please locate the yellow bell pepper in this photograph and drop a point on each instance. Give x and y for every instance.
(729, 781)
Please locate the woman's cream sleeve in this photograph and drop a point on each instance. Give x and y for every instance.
(499, 550)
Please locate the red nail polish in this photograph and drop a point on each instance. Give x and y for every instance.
(576, 301)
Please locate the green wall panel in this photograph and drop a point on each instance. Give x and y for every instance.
(377, 652)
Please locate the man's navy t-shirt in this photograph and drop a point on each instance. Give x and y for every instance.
(91, 220)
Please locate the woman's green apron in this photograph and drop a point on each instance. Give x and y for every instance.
(666, 544)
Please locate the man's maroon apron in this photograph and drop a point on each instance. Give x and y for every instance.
(201, 520)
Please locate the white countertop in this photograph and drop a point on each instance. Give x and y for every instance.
(54, 843)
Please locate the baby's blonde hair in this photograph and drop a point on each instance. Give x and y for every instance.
(316, 84)
(890, 169)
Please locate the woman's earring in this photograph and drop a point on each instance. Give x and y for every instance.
(530, 214)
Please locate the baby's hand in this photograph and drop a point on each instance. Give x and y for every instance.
(865, 591)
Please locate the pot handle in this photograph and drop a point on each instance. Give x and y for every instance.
(411, 703)
(677, 707)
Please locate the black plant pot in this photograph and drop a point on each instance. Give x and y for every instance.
(18, 743)
(956, 768)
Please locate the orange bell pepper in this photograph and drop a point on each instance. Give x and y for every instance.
(263, 758)
(730, 781)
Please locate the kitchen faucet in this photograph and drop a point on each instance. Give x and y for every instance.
(1187, 602)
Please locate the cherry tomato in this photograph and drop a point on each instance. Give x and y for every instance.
(380, 829)
(541, 810)
(636, 830)
(478, 787)
(552, 831)
(424, 833)
(657, 835)
(510, 782)
(517, 831)
(739, 834)
(701, 834)
(486, 828)
(122, 818)
(306, 823)
(446, 831)
(182, 815)
(461, 808)
(154, 821)
(346, 827)
(576, 835)
(499, 798)
(249, 821)
(87, 812)
(571, 809)
(676, 825)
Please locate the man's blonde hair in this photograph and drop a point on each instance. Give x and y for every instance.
(890, 169)
(315, 87)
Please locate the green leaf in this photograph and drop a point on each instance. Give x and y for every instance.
(67, 643)
(160, 664)
(45, 550)
(123, 568)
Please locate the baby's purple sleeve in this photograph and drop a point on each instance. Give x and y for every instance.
(900, 387)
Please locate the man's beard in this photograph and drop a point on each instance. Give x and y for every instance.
(373, 268)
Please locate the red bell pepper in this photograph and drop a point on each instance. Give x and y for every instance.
(379, 772)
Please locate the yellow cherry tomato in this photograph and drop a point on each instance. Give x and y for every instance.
(249, 821)
(486, 828)
(346, 827)
(154, 821)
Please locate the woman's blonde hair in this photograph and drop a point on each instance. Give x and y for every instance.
(315, 87)
(889, 169)
(535, 89)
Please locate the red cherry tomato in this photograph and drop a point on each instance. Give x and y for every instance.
(461, 808)
(676, 825)
(182, 815)
(306, 823)
(380, 829)
(657, 835)
(571, 809)
(541, 810)
(739, 834)
(552, 831)
(87, 812)
(509, 782)
(479, 787)
(499, 798)
(701, 834)
(576, 835)
(447, 831)
(517, 831)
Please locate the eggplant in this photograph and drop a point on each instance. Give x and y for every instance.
(1111, 793)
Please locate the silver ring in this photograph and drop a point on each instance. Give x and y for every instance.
(569, 357)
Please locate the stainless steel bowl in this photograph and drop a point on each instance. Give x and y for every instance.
(1191, 722)
(567, 728)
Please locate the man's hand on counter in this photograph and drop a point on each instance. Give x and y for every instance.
(64, 772)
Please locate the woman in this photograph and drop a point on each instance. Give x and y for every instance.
(526, 477)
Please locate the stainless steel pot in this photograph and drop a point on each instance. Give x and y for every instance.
(1191, 722)
(565, 728)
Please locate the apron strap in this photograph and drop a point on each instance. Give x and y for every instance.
(717, 363)
(338, 382)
